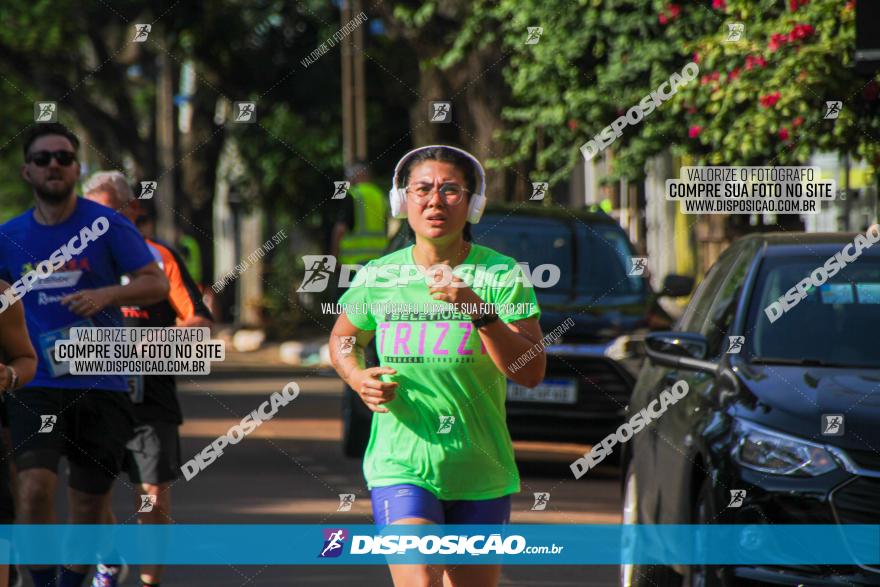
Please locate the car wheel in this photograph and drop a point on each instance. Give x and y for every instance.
(641, 575)
(705, 512)
(356, 421)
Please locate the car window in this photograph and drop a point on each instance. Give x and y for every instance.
(720, 313)
(536, 241)
(695, 314)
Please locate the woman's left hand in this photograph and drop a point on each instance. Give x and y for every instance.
(456, 292)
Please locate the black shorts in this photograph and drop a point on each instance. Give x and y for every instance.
(89, 427)
(153, 455)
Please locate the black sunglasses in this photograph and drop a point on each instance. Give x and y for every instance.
(43, 158)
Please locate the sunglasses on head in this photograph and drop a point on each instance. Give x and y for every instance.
(43, 158)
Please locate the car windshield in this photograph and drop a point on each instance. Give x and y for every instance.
(606, 266)
(536, 241)
(831, 326)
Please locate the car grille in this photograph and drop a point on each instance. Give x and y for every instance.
(858, 502)
(602, 386)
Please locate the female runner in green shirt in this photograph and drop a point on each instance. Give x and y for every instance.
(439, 450)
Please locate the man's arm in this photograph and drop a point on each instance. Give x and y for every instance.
(15, 346)
(148, 285)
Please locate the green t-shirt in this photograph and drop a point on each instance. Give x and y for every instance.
(446, 430)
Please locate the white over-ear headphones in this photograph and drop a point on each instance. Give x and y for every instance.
(397, 195)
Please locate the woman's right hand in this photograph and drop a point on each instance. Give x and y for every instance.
(372, 390)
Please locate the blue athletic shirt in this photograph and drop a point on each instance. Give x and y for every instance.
(117, 250)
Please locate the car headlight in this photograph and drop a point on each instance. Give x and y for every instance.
(767, 451)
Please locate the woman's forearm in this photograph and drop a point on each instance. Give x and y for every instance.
(505, 346)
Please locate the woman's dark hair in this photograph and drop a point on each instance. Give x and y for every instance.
(462, 162)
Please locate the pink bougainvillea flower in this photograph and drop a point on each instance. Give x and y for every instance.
(734, 73)
(783, 133)
(694, 131)
(722, 4)
(770, 100)
(797, 121)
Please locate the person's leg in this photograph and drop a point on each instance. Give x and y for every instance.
(38, 448)
(160, 514)
(487, 512)
(409, 504)
(153, 463)
(95, 449)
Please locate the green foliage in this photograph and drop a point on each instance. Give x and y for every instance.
(598, 58)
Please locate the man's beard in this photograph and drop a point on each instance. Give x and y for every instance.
(53, 195)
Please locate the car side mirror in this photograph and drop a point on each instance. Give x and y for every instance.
(680, 350)
(677, 286)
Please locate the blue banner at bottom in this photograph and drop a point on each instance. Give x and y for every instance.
(524, 544)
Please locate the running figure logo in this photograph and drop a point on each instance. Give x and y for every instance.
(735, 345)
(346, 500)
(245, 112)
(535, 33)
(47, 424)
(346, 344)
(735, 31)
(639, 264)
(147, 503)
(45, 112)
(141, 32)
(333, 542)
(148, 188)
(737, 496)
(446, 423)
(541, 501)
(832, 424)
(318, 270)
(341, 190)
(832, 109)
(441, 111)
(539, 190)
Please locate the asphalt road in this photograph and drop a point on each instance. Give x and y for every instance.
(291, 470)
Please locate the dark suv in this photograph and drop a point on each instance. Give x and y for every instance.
(591, 368)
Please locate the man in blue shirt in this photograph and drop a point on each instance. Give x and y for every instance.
(65, 259)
